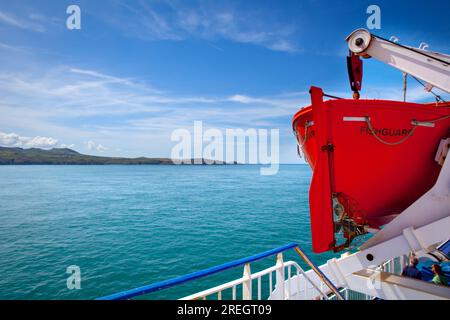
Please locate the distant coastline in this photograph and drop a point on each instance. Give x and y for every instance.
(65, 156)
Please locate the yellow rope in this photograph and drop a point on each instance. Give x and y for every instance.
(307, 125)
(369, 124)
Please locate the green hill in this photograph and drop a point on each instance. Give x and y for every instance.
(64, 156)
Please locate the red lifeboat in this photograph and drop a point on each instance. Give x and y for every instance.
(371, 159)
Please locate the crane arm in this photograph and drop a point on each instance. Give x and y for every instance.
(433, 68)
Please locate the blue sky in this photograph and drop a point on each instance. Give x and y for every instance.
(137, 70)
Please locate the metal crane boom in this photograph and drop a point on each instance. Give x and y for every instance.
(433, 68)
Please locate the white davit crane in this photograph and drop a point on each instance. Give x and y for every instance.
(431, 67)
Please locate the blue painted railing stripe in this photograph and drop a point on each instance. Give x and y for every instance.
(195, 275)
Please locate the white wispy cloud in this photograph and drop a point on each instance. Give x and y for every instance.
(96, 146)
(282, 100)
(68, 146)
(72, 92)
(11, 47)
(15, 140)
(414, 93)
(30, 23)
(176, 21)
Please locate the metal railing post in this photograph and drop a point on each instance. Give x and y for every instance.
(247, 284)
(280, 276)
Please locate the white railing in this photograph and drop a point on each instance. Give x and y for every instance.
(283, 285)
(291, 283)
(351, 295)
(395, 265)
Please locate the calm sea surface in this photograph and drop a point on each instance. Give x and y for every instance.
(126, 226)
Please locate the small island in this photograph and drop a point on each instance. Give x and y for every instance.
(65, 156)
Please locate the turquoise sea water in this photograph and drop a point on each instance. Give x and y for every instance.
(126, 226)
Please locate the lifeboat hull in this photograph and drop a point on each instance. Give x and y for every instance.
(371, 159)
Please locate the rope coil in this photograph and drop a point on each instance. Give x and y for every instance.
(305, 137)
